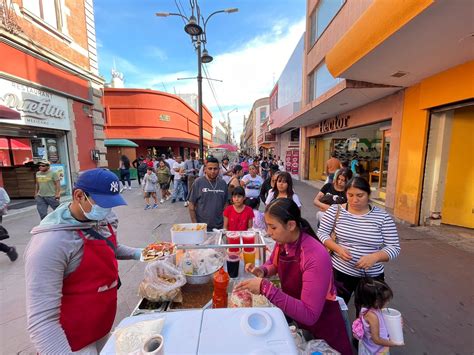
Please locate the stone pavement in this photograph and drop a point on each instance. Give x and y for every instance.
(432, 278)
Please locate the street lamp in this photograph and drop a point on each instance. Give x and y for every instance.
(198, 36)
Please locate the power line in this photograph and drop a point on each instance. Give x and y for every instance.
(211, 86)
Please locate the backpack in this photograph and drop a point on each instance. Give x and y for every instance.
(358, 327)
(142, 167)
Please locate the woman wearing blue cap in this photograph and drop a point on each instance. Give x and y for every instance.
(71, 264)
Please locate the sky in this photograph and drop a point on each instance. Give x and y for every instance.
(250, 48)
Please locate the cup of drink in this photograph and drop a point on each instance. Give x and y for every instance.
(394, 324)
(233, 238)
(153, 346)
(248, 238)
(249, 257)
(233, 263)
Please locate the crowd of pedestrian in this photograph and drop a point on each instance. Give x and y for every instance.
(343, 257)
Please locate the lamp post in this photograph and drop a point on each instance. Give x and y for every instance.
(198, 37)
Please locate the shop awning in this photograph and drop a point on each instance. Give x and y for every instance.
(20, 144)
(345, 96)
(119, 143)
(9, 114)
(266, 145)
(4, 143)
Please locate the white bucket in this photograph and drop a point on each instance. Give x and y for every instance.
(393, 322)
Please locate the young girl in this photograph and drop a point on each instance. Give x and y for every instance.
(238, 217)
(373, 295)
(283, 188)
(258, 217)
(149, 188)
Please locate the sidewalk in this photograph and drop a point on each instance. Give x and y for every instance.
(432, 278)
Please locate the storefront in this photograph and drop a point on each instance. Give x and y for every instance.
(367, 138)
(39, 133)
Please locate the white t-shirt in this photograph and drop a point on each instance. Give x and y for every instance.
(270, 199)
(171, 163)
(223, 171)
(252, 185)
(177, 165)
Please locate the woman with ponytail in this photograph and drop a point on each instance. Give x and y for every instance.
(307, 293)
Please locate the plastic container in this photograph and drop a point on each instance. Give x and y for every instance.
(233, 263)
(188, 233)
(249, 238)
(187, 264)
(245, 331)
(219, 296)
(249, 257)
(393, 322)
(233, 238)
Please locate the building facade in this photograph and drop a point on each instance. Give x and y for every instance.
(388, 89)
(160, 123)
(49, 77)
(252, 125)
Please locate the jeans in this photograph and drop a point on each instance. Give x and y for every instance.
(178, 190)
(42, 203)
(125, 175)
(191, 180)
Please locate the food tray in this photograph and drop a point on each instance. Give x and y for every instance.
(188, 233)
(145, 306)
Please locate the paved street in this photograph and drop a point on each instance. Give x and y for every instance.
(432, 279)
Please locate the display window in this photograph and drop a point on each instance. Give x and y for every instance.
(365, 149)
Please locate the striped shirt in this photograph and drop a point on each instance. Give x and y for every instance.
(360, 235)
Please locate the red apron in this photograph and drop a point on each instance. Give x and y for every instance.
(89, 300)
(330, 326)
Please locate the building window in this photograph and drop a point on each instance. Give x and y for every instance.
(322, 16)
(47, 10)
(320, 81)
(263, 113)
(295, 135)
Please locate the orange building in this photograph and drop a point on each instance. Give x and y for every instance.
(160, 123)
(49, 79)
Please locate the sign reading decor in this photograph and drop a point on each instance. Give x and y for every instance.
(37, 107)
(333, 124)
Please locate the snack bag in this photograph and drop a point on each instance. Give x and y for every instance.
(162, 282)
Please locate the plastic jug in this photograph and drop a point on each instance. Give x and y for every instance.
(221, 281)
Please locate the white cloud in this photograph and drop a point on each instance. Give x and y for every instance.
(248, 73)
(156, 52)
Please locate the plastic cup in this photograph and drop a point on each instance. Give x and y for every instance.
(393, 322)
(233, 263)
(153, 346)
(248, 238)
(233, 238)
(249, 258)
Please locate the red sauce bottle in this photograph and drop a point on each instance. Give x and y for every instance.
(219, 296)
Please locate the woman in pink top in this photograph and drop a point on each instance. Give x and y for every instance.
(307, 293)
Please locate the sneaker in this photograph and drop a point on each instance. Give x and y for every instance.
(181, 199)
(186, 204)
(121, 189)
(12, 254)
(162, 201)
(155, 206)
(129, 187)
(147, 207)
(167, 198)
(173, 201)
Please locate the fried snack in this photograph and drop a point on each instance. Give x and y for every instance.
(182, 228)
(158, 250)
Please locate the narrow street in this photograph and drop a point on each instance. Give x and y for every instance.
(432, 279)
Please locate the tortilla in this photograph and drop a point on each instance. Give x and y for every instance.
(132, 338)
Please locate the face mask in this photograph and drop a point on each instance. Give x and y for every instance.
(97, 213)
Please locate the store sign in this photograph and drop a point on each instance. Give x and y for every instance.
(333, 124)
(270, 137)
(37, 107)
(165, 118)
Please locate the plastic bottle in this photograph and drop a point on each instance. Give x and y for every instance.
(299, 341)
(219, 296)
(187, 264)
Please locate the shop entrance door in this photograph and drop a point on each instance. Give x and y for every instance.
(319, 159)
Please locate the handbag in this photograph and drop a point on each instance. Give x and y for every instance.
(3, 233)
(333, 232)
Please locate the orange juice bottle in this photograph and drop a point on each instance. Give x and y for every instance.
(219, 296)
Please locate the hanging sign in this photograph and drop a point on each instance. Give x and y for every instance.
(37, 107)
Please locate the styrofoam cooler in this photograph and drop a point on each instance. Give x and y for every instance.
(189, 236)
(393, 322)
(245, 331)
